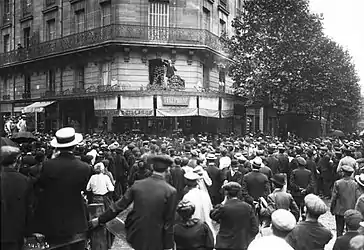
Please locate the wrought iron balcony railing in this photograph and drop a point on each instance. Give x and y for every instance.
(6, 97)
(116, 33)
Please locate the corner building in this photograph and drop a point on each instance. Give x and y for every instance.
(154, 66)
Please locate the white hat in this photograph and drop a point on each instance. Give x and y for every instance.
(283, 220)
(66, 137)
(192, 176)
(360, 179)
(257, 161)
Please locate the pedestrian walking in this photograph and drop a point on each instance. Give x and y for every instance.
(149, 225)
(352, 219)
(238, 223)
(344, 196)
(310, 234)
(359, 206)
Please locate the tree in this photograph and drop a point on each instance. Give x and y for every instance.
(280, 54)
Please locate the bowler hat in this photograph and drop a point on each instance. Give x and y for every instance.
(278, 179)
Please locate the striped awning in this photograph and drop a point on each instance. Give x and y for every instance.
(36, 107)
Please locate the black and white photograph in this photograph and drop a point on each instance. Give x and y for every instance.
(182, 124)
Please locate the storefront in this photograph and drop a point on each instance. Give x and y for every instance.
(78, 113)
(36, 114)
(5, 109)
(106, 107)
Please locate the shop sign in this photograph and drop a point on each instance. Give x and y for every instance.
(136, 112)
(175, 100)
(107, 112)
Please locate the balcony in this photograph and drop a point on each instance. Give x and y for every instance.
(117, 34)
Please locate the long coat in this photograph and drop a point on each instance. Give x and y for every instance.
(217, 179)
(61, 210)
(238, 224)
(15, 205)
(344, 195)
(254, 186)
(149, 225)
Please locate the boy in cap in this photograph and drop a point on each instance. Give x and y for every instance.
(352, 220)
(344, 195)
(150, 210)
(310, 234)
(238, 223)
(282, 223)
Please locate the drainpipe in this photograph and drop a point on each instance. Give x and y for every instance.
(13, 23)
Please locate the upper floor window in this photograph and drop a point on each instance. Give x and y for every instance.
(106, 15)
(49, 2)
(80, 21)
(5, 86)
(106, 73)
(158, 20)
(26, 7)
(206, 19)
(51, 29)
(223, 3)
(26, 36)
(51, 80)
(6, 13)
(222, 80)
(222, 27)
(6, 6)
(80, 77)
(27, 83)
(6, 43)
(158, 14)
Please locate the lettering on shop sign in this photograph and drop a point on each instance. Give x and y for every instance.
(137, 112)
(175, 100)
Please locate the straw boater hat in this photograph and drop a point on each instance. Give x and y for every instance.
(66, 137)
(360, 179)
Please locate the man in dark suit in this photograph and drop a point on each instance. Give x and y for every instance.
(238, 223)
(61, 213)
(302, 183)
(15, 200)
(272, 161)
(177, 178)
(149, 225)
(216, 177)
(255, 183)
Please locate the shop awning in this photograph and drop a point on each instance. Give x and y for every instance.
(5, 107)
(36, 107)
(209, 107)
(227, 108)
(177, 106)
(140, 106)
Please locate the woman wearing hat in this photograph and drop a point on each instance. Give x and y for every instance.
(359, 206)
(191, 233)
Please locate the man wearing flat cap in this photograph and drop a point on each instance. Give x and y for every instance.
(310, 234)
(149, 225)
(352, 220)
(344, 196)
(16, 204)
(238, 223)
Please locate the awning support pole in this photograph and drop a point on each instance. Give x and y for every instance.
(36, 121)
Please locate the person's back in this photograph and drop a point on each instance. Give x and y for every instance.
(283, 163)
(255, 184)
(238, 225)
(61, 210)
(15, 207)
(309, 235)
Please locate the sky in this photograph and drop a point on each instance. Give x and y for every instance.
(344, 23)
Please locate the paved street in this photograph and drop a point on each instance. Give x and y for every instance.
(327, 220)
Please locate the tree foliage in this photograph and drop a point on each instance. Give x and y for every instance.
(281, 55)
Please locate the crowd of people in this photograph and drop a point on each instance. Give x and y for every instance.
(185, 192)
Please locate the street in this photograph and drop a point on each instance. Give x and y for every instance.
(328, 220)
